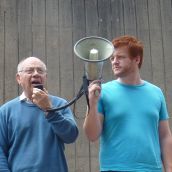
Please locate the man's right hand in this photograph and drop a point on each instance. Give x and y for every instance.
(94, 90)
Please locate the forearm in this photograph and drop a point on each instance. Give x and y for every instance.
(3, 162)
(64, 127)
(4, 146)
(92, 124)
(166, 147)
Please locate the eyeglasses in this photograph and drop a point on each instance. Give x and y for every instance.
(32, 70)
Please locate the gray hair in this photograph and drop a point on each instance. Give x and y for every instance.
(20, 65)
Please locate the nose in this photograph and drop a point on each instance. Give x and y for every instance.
(35, 72)
(114, 60)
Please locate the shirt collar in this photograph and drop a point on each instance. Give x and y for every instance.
(24, 98)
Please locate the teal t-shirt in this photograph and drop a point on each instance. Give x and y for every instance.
(130, 139)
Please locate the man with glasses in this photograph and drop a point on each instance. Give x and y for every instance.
(31, 139)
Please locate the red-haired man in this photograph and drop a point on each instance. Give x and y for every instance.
(129, 116)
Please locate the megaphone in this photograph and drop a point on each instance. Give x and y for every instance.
(94, 51)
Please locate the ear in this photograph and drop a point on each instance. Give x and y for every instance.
(137, 59)
(18, 79)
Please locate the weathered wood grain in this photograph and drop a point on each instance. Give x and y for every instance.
(49, 29)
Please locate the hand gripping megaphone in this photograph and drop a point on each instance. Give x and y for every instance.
(93, 51)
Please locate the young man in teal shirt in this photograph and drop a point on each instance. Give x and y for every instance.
(129, 116)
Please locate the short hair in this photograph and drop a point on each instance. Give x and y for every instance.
(20, 65)
(135, 46)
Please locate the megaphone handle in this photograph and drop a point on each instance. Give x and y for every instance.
(97, 92)
(85, 87)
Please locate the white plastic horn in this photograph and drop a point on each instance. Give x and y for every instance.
(94, 51)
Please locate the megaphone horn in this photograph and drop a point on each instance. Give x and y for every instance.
(93, 50)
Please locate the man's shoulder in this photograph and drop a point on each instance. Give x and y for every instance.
(152, 86)
(10, 103)
(9, 106)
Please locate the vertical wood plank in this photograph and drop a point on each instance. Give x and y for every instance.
(129, 17)
(24, 12)
(66, 49)
(156, 43)
(91, 13)
(166, 23)
(2, 54)
(104, 18)
(52, 46)
(11, 50)
(38, 29)
(144, 35)
(117, 18)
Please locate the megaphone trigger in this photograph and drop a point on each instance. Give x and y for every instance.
(97, 93)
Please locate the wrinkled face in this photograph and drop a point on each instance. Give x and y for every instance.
(122, 63)
(32, 72)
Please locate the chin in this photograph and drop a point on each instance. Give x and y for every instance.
(117, 73)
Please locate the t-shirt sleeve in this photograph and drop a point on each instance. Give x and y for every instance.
(163, 109)
(100, 106)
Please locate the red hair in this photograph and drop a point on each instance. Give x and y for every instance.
(134, 46)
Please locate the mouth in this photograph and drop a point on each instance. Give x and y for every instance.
(37, 84)
(116, 67)
(34, 83)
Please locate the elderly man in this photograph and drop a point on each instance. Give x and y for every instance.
(32, 140)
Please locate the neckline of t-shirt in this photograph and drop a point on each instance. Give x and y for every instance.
(131, 86)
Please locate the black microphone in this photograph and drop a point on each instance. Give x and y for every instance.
(39, 86)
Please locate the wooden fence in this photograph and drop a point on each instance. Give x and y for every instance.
(49, 29)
